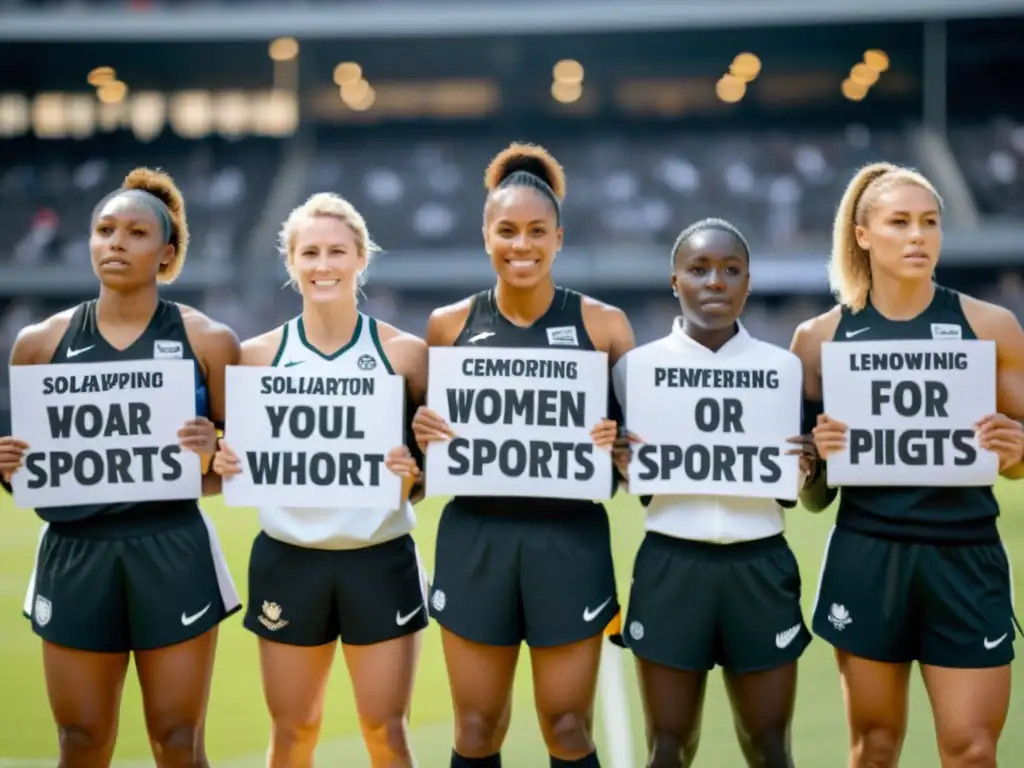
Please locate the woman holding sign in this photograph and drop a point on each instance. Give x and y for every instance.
(514, 569)
(317, 574)
(912, 573)
(715, 581)
(143, 577)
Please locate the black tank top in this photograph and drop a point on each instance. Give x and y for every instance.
(558, 327)
(83, 343)
(956, 514)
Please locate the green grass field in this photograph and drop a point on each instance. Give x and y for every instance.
(238, 725)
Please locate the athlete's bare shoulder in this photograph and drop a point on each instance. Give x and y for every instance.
(408, 355)
(261, 350)
(36, 343)
(446, 323)
(990, 321)
(608, 326)
(210, 339)
(812, 333)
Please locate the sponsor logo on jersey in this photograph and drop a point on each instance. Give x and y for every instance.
(564, 336)
(947, 331)
(168, 350)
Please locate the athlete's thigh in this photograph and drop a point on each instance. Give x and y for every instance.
(475, 591)
(969, 706)
(76, 596)
(759, 614)
(175, 682)
(966, 606)
(292, 597)
(565, 677)
(567, 578)
(865, 603)
(382, 678)
(673, 701)
(671, 616)
(295, 681)
(763, 702)
(875, 694)
(480, 677)
(84, 688)
(381, 592)
(178, 584)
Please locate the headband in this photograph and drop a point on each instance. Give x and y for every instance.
(147, 200)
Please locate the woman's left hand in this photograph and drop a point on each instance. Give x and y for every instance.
(199, 436)
(401, 462)
(808, 453)
(1003, 436)
(604, 433)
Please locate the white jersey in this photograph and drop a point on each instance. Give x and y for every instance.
(714, 519)
(329, 527)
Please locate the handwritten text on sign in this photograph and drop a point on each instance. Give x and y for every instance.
(522, 421)
(313, 440)
(104, 433)
(712, 426)
(911, 408)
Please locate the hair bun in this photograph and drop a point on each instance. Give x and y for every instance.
(526, 158)
(158, 184)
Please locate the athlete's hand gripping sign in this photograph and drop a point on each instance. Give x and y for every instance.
(105, 433)
(517, 422)
(913, 413)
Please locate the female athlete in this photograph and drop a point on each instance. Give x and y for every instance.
(746, 616)
(319, 574)
(514, 569)
(913, 573)
(143, 578)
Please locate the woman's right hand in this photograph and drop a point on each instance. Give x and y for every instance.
(829, 436)
(12, 452)
(428, 427)
(225, 462)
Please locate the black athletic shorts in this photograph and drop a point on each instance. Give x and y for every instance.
(129, 583)
(694, 605)
(539, 575)
(305, 596)
(897, 601)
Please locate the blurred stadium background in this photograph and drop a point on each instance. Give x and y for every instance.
(662, 112)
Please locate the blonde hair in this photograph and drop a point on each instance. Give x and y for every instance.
(327, 204)
(849, 270)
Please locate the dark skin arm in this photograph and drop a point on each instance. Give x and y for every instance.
(807, 340)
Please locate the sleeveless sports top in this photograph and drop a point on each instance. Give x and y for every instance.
(330, 527)
(925, 513)
(163, 338)
(561, 326)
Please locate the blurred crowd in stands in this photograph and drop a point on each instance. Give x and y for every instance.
(780, 188)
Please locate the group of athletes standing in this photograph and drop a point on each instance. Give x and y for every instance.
(911, 574)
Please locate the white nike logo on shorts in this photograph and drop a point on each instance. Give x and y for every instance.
(989, 645)
(186, 620)
(783, 639)
(401, 620)
(590, 615)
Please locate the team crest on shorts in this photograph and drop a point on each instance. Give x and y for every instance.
(43, 611)
(271, 617)
(438, 600)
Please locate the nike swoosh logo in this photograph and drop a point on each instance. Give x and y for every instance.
(783, 639)
(186, 620)
(481, 336)
(990, 645)
(290, 363)
(77, 352)
(590, 615)
(858, 332)
(401, 620)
